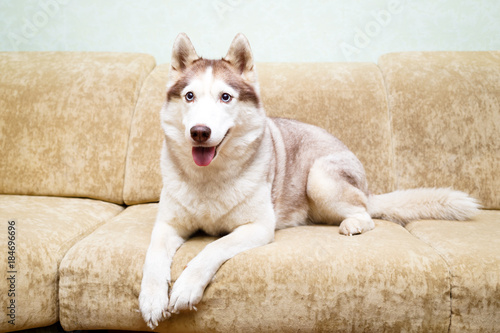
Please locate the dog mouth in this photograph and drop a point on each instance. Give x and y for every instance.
(203, 156)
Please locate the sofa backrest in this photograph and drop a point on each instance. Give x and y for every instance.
(418, 119)
(143, 180)
(445, 110)
(87, 124)
(347, 99)
(65, 121)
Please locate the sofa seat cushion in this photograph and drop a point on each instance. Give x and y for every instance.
(45, 228)
(472, 251)
(310, 278)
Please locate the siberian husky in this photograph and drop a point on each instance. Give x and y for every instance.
(229, 170)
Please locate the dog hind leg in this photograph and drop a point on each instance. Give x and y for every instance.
(336, 189)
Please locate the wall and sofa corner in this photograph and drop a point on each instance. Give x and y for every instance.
(79, 180)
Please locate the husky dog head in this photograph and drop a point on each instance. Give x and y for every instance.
(213, 109)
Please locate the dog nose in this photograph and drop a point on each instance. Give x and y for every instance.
(200, 133)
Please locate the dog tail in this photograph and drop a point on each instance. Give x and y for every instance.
(423, 203)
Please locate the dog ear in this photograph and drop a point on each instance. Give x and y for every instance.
(240, 54)
(183, 53)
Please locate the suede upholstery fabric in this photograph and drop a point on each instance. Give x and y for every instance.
(143, 181)
(472, 251)
(87, 125)
(348, 100)
(65, 121)
(309, 279)
(46, 227)
(446, 120)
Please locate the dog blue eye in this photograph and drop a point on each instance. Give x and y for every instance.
(226, 98)
(189, 96)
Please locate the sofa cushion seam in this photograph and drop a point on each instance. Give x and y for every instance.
(141, 87)
(450, 274)
(391, 130)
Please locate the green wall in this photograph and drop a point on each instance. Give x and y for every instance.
(295, 30)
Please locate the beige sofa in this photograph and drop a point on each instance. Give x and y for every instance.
(79, 175)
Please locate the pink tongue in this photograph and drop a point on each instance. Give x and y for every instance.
(202, 156)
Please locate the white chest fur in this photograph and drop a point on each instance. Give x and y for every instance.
(213, 203)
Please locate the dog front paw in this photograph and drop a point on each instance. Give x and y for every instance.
(186, 293)
(153, 303)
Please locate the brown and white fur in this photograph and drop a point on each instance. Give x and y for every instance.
(230, 170)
